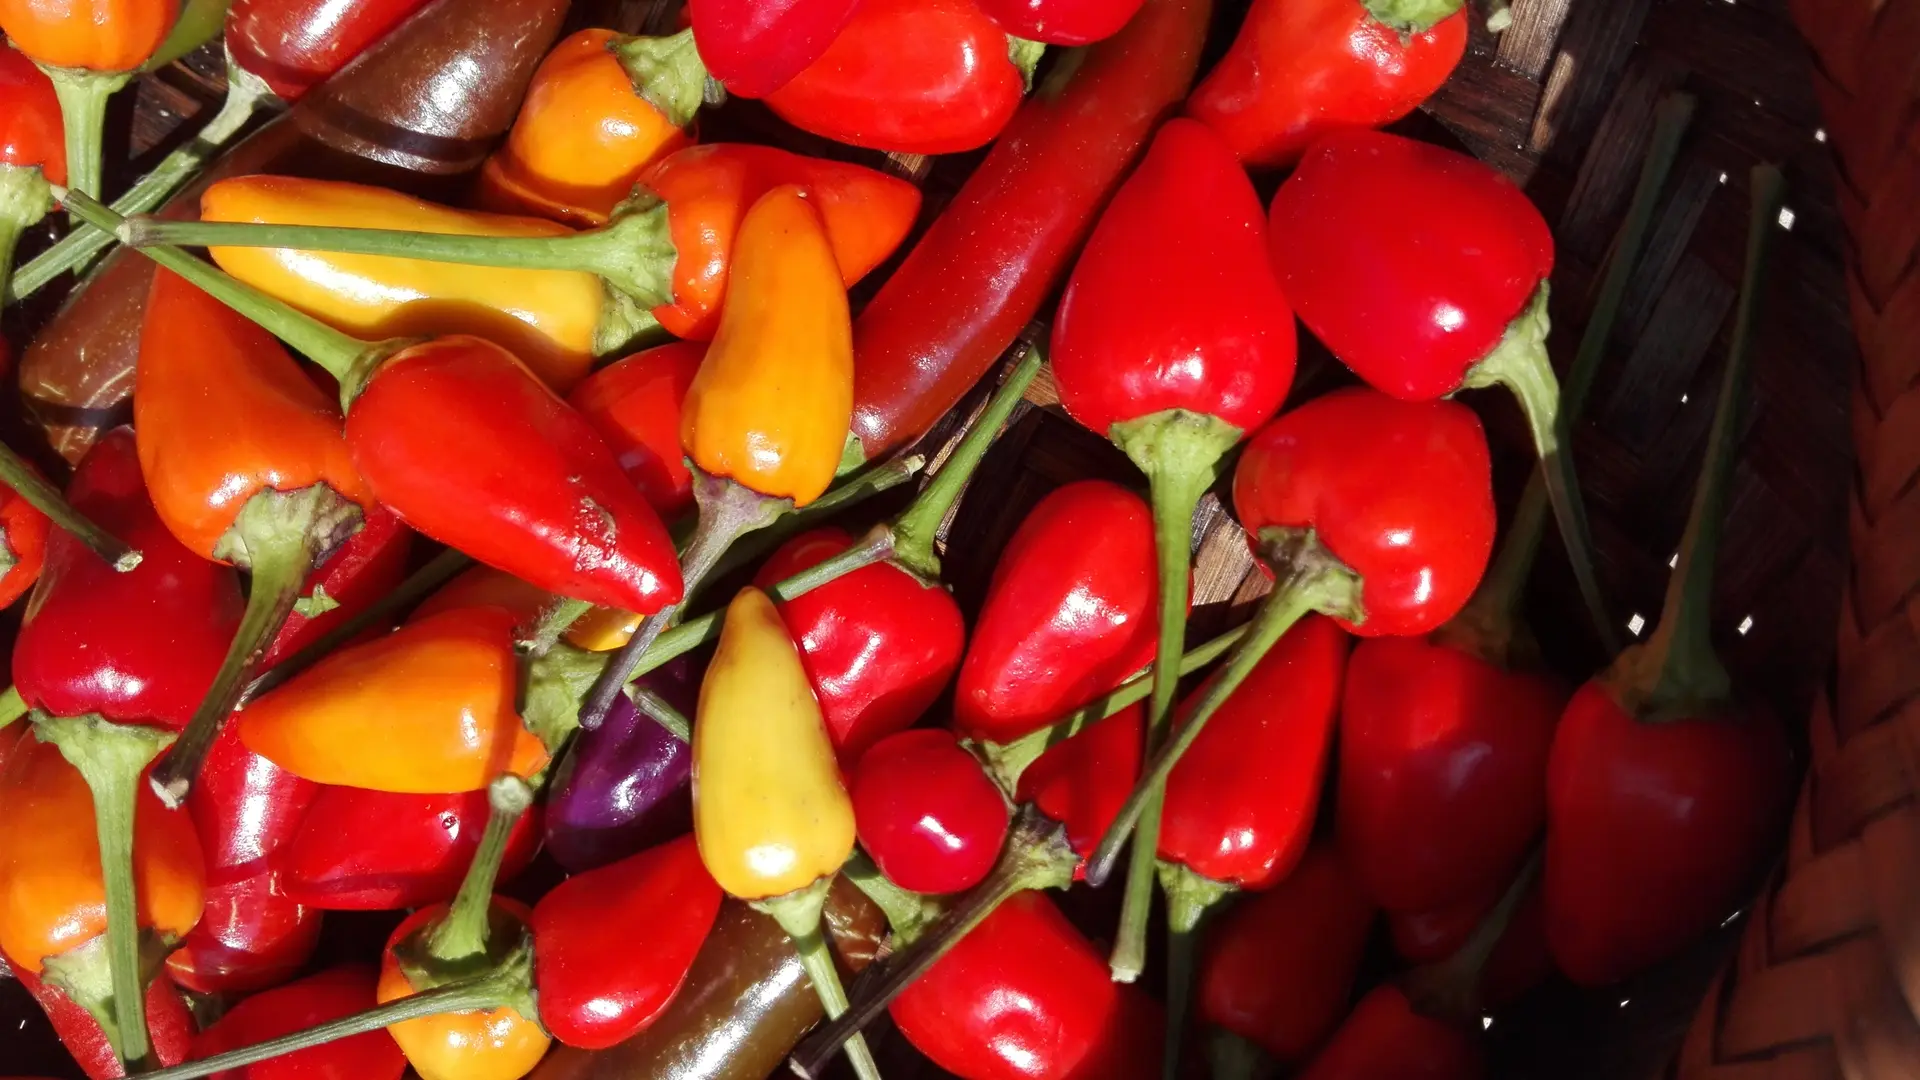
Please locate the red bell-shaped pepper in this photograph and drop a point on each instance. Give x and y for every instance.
(755, 46)
(634, 403)
(320, 997)
(32, 154)
(1385, 1036)
(927, 813)
(1061, 22)
(168, 1023)
(360, 850)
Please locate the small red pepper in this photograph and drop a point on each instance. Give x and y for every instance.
(1299, 69)
(927, 813)
(23, 545)
(1082, 781)
(320, 997)
(361, 850)
(754, 46)
(634, 403)
(1385, 1037)
(368, 566)
(168, 1022)
(293, 45)
(1061, 22)
(32, 154)
(1519, 962)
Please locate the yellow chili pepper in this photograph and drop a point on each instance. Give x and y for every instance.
(545, 317)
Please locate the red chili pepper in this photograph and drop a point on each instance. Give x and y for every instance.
(595, 990)
(754, 47)
(23, 532)
(927, 813)
(360, 850)
(878, 644)
(1082, 781)
(910, 77)
(1061, 22)
(1299, 69)
(367, 567)
(32, 153)
(999, 249)
(1519, 962)
(634, 403)
(1385, 1037)
(168, 1023)
(293, 45)
(1065, 620)
(320, 997)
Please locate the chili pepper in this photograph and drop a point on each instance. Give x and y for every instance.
(1279, 966)
(1423, 305)
(366, 567)
(772, 819)
(1518, 963)
(87, 1041)
(624, 786)
(31, 151)
(388, 116)
(1297, 71)
(361, 850)
(1660, 747)
(634, 403)
(911, 77)
(1082, 780)
(602, 107)
(483, 586)
(755, 48)
(598, 984)
(1385, 1037)
(295, 46)
(322, 996)
(927, 813)
(23, 545)
(980, 273)
(273, 491)
(879, 645)
(1061, 22)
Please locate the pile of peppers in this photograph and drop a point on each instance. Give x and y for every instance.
(505, 495)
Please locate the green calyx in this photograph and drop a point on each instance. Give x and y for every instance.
(501, 975)
(85, 974)
(469, 933)
(667, 72)
(556, 683)
(909, 914)
(634, 251)
(315, 604)
(83, 98)
(25, 196)
(1026, 56)
(1409, 17)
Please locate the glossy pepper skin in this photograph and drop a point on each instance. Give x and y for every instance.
(1064, 621)
(1061, 22)
(360, 571)
(1081, 782)
(613, 946)
(980, 273)
(754, 47)
(1443, 765)
(491, 1043)
(95, 35)
(436, 697)
(293, 45)
(1401, 492)
(583, 136)
(325, 995)
(927, 812)
(624, 786)
(1386, 1037)
(634, 403)
(483, 586)
(1240, 805)
(95, 640)
(909, 77)
(1025, 997)
(1280, 965)
(538, 495)
(545, 317)
(708, 190)
(879, 646)
(1299, 69)
(770, 404)
(23, 530)
(360, 850)
(169, 1026)
(1520, 960)
(30, 130)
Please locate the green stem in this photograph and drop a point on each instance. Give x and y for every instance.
(857, 489)
(916, 527)
(1451, 989)
(83, 98)
(553, 622)
(1190, 899)
(1675, 674)
(1036, 856)
(245, 95)
(662, 712)
(462, 933)
(111, 757)
(44, 497)
(348, 359)
(12, 706)
(798, 913)
(25, 198)
(278, 537)
(908, 913)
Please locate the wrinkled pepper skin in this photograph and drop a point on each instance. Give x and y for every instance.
(367, 567)
(744, 1005)
(169, 1025)
(545, 317)
(708, 190)
(52, 897)
(980, 273)
(879, 646)
(94, 35)
(624, 786)
(426, 710)
(908, 77)
(533, 490)
(1083, 781)
(1386, 1037)
(489, 1044)
(294, 45)
(1279, 967)
(1299, 69)
(634, 403)
(31, 133)
(927, 813)
(1064, 620)
(98, 641)
(1025, 997)
(360, 850)
(23, 530)
(325, 995)
(1241, 803)
(613, 946)
(1443, 771)
(754, 46)
(1401, 492)
(1061, 22)
(582, 139)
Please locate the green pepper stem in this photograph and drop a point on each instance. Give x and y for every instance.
(44, 497)
(1676, 674)
(916, 527)
(25, 198)
(279, 537)
(111, 757)
(245, 95)
(660, 711)
(1191, 897)
(1036, 856)
(555, 620)
(908, 913)
(462, 933)
(1412, 16)
(798, 913)
(857, 489)
(83, 98)
(12, 706)
(1451, 989)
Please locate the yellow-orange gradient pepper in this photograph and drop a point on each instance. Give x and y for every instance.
(545, 317)
(771, 404)
(428, 709)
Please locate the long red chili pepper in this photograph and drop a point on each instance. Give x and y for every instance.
(1000, 248)
(1175, 384)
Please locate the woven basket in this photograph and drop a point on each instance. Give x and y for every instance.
(1816, 982)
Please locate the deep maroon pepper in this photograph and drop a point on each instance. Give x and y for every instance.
(623, 787)
(293, 45)
(169, 1025)
(316, 999)
(360, 850)
(927, 813)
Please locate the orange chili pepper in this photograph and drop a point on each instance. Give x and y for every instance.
(482, 1044)
(245, 461)
(483, 586)
(428, 709)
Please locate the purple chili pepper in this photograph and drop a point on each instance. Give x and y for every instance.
(624, 787)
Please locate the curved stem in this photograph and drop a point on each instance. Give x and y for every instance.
(83, 110)
(111, 757)
(798, 913)
(908, 913)
(463, 931)
(44, 497)
(12, 706)
(25, 198)
(857, 489)
(1190, 898)
(661, 711)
